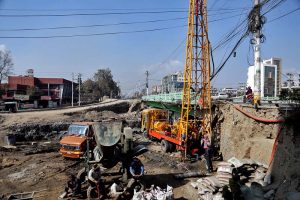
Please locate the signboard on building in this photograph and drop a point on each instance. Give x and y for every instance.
(21, 97)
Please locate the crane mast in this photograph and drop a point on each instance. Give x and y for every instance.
(197, 69)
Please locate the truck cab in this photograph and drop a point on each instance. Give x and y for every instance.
(74, 143)
(151, 116)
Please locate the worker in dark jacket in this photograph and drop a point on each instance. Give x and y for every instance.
(73, 186)
(136, 168)
(206, 145)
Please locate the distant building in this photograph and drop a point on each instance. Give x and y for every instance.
(172, 83)
(230, 91)
(270, 77)
(156, 89)
(46, 92)
(292, 81)
(278, 63)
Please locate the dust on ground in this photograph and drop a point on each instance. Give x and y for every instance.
(22, 171)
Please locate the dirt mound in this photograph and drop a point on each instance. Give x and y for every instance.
(38, 131)
(243, 137)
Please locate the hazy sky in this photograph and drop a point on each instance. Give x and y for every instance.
(129, 55)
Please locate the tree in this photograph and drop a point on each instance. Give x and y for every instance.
(101, 85)
(104, 83)
(6, 64)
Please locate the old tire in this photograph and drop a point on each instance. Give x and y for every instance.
(135, 185)
(81, 175)
(92, 193)
(165, 146)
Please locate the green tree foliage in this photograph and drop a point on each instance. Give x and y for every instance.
(101, 85)
(287, 94)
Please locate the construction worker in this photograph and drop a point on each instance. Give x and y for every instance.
(94, 177)
(206, 145)
(136, 168)
(249, 94)
(73, 186)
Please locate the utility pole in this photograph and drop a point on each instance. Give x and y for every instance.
(72, 89)
(79, 86)
(147, 82)
(256, 26)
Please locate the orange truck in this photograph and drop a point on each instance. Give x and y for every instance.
(74, 143)
(157, 124)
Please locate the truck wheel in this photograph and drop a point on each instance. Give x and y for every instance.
(165, 146)
(172, 147)
(81, 175)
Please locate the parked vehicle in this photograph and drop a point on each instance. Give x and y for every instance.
(74, 143)
(223, 96)
(156, 124)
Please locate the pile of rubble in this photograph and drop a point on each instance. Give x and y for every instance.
(154, 193)
(38, 131)
(235, 177)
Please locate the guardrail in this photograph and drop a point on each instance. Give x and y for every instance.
(170, 98)
(177, 97)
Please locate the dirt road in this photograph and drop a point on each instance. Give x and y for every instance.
(49, 115)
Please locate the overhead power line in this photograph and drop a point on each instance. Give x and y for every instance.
(284, 15)
(109, 24)
(93, 25)
(107, 13)
(109, 9)
(92, 34)
(96, 25)
(91, 14)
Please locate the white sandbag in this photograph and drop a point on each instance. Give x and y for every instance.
(261, 170)
(259, 176)
(207, 196)
(236, 162)
(225, 169)
(218, 196)
(115, 190)
(194, 185)
(228, 176)
(213, 181)
(226, 164)
(200, 180)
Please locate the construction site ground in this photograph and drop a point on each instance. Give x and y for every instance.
(37, 165)
(26, 173)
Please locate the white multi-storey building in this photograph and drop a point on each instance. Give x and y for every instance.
(270, 77)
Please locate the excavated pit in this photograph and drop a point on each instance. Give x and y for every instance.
(243, 137)
(240, 136)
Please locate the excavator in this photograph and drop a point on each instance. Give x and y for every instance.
(180, 134)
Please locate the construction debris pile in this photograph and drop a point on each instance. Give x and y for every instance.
(154, 193)
(235, 177)
(38, 131)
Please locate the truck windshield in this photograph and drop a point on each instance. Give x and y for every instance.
(77, 129)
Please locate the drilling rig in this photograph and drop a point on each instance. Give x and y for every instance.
(187, 131)
(197, 70)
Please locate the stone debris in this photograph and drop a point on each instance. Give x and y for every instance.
(247, 172)
(155, 193)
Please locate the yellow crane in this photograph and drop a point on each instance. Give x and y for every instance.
(197, 69)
